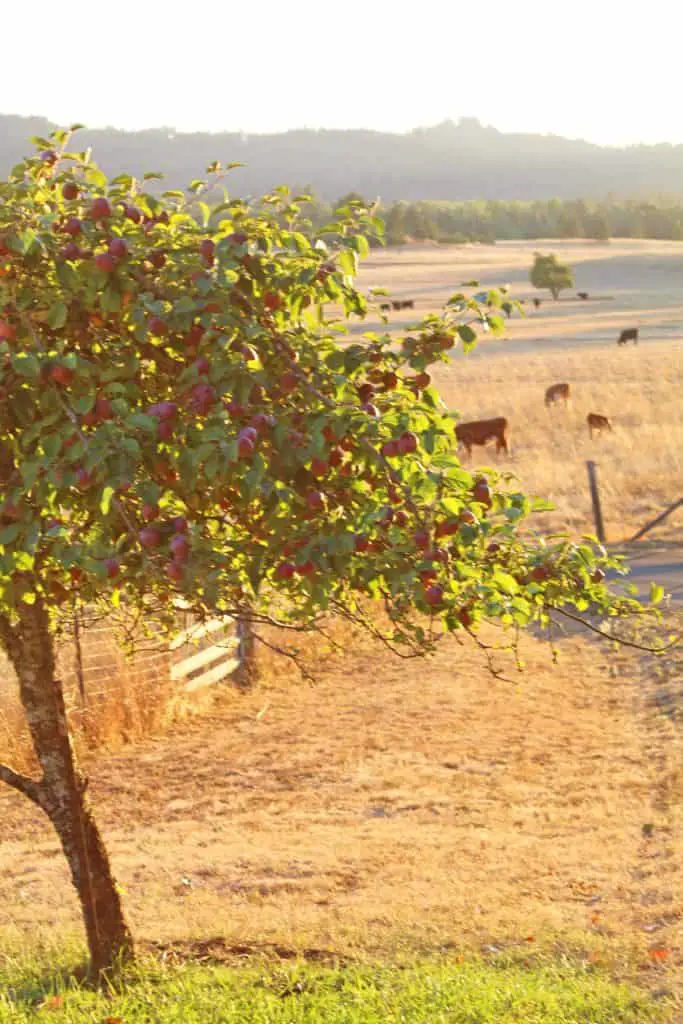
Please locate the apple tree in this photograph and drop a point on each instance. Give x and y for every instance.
(183, 417)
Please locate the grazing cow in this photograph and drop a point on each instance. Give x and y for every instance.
(557, 393)
(630, 334)
(482, 431)
(385, 307)
(396, 304)
(537, 303)
(597, 423)
(582, 295)
(408, 304)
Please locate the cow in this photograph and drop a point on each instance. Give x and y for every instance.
(385, 307)
(537, 303)
(583, 295)
(557, 393)
(482, 431)
(396, 304)
(408, 304)
(630, 334)
(597, 423)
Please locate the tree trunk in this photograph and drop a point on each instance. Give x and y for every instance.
(555, 292)
(61, 792)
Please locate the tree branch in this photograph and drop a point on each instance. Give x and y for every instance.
(22, 783)
(616, 639)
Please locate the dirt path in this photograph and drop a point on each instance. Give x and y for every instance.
(393, 804)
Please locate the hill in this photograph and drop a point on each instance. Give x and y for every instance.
(452, 161)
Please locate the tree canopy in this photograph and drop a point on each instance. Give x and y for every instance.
(548, 272)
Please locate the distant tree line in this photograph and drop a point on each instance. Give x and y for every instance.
(495, 220)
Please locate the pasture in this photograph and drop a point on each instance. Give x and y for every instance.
(405, 812)
(630, 283)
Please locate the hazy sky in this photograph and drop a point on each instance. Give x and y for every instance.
(605, 71)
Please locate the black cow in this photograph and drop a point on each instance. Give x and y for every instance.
(385, 307)
(583, 295)
(630, 334)
(537, 303)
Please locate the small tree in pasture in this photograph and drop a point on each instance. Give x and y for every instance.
(179, 420)
(548, 272)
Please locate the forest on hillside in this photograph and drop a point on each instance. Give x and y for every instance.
(451, 161)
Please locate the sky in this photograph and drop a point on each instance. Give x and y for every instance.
(605, 71)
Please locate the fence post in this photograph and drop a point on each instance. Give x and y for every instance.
(595, 498)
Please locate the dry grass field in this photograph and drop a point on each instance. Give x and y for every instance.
(393, 809)
(411, 807)
(639, 388)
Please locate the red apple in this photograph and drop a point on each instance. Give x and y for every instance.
(71, 252)
(105, 262)
(422, 381)
(272, 301)
(207, 251)
(285, 571)
(180, 547)
(361, 543)
(100, 209)
(83, 478)
(421, 539)
(319, 468)
(175, 571)
(104, 409)
(7, 331)
(72, 226)
(202, 365)
(70, 190)
(149, 537)
(407, 443)
(245, 446)
(158, 327)
(113, 567)
(288, 381)
(132, 213)
(306, 568)
(157, 258)
(434, 595)
(179, 524)
(150, 512)
(390, 449)
(390, 381)
(118, 248)
(315, 500)
(598, 576)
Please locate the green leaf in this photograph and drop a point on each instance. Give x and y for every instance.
(507, 583)
(9, 533)
(26, 365)
(348, 263)
(656, 593)
(57, 316)
(467, 334)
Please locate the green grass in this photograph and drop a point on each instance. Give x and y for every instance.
(434, 992)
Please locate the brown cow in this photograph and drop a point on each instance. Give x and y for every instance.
(630, 334)
(582, 295)
(597, 423)
(557, 393)
(482, 431)
(537, 303)
(408, 304)
(396, 304)
(385, 307)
